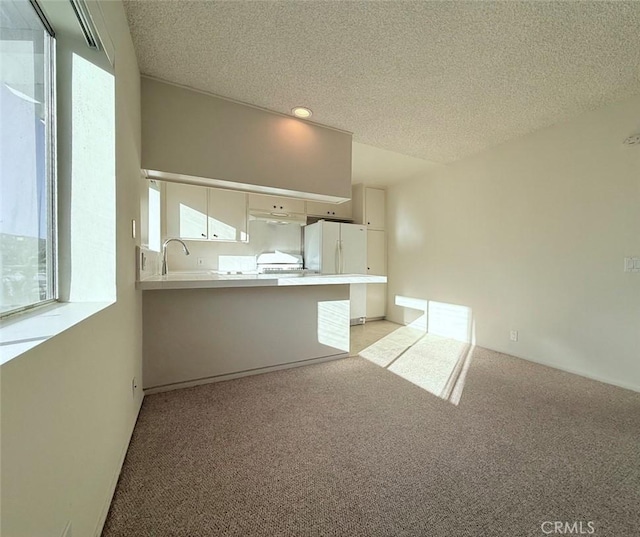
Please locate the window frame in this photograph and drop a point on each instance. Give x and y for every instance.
(51, 168)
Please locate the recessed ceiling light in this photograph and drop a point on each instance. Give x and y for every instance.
(302, 112)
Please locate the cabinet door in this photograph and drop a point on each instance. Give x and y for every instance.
(330, 210)
(357, 204)
(276, 204)
(374, 208)
(376, 253)
(227, 215)
(186, 211)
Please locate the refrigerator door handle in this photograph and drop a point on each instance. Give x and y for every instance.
(341, 259)
(337, 261)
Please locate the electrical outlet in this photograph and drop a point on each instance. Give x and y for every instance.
(513, 336)
(134, 386)
(632, 264)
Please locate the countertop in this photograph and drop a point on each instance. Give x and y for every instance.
(208, 280)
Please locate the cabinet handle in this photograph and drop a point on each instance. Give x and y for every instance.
(203, 234)
(216, 236)
(368, 223)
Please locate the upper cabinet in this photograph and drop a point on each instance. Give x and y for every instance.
(338, 211)
(369, 207)
(201, 213)
(190, 134)
(374, 210)
(227, 214)
(186, 211)
(275, 204)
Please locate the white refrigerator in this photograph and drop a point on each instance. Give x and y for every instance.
(337, 248)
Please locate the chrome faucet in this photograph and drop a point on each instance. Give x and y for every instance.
(164, 253)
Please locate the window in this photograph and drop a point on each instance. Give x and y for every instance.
(154, 216)
(27, 159)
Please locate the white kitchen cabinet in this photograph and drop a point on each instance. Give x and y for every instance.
(369, 209)
(227, 215)
(200, 213)
(338, 211)
(376, 300)
(369, 206)
(374, 211)
(186, 211)
(276, 204)
(376, 253)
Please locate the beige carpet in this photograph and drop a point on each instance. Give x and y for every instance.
(349, 448)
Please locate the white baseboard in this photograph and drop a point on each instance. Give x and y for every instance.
(116, 476)
(574, 371)
(239, 374)
(553, 365)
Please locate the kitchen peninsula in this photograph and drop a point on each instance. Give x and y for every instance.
(204, 327)
(234, 182)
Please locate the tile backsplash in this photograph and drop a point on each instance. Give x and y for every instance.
(233, 256)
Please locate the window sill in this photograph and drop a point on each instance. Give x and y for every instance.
(28, 330)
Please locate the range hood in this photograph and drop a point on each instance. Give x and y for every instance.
(278, 217)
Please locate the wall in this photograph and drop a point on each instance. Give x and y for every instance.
(191, 133)
(200, 334)
(67, 405)
(86, 172)
(532, 236)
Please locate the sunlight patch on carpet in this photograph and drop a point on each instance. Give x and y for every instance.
(433, 352)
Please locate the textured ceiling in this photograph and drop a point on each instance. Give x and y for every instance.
(434, 80)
